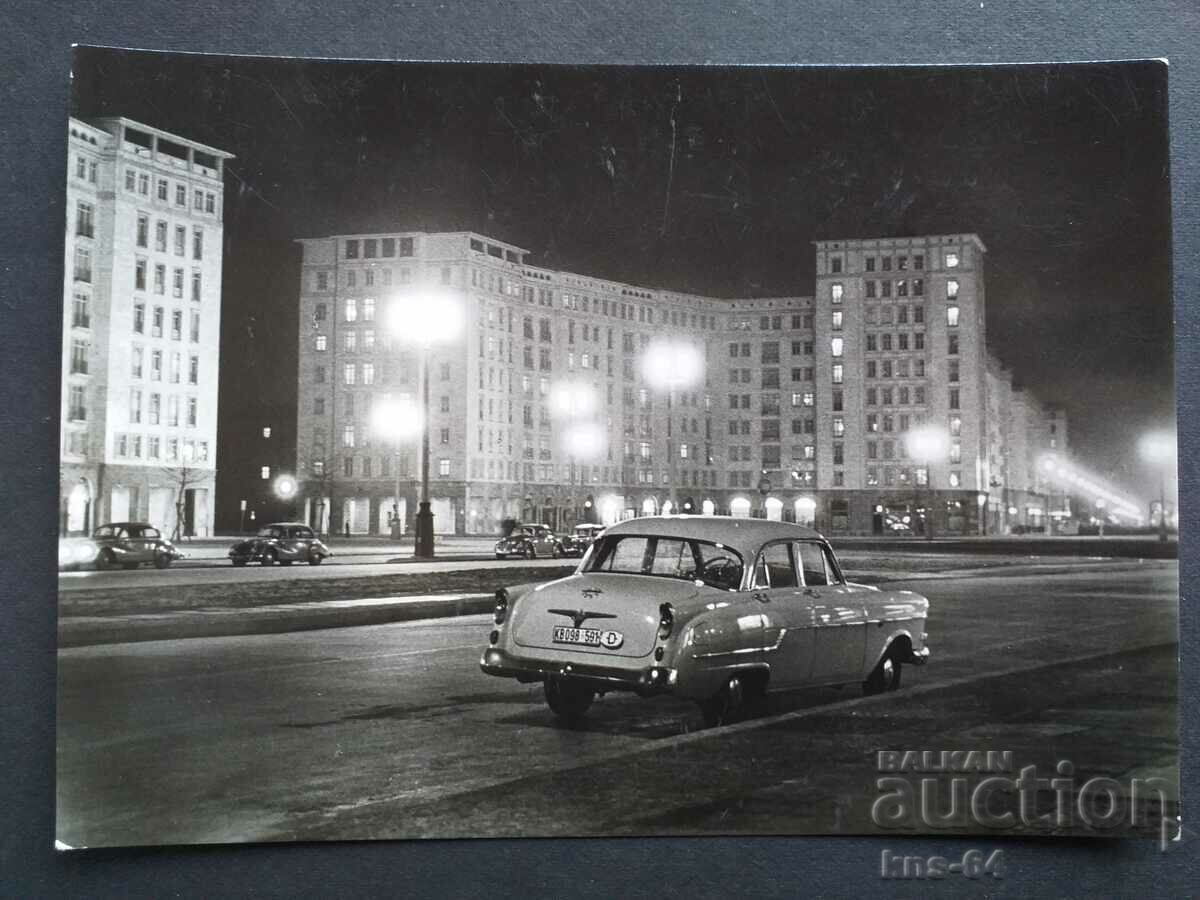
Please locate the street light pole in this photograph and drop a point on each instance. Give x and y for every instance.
(1162, 504)
(672, 453)
(423, 544)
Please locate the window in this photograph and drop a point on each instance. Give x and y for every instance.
(198, 201)
(835, 264)
(76, 409)
(368, 373)
(79, 356)
(156, 322)
(444, 406)
(835, 293)
(319, 374)
(160, 279)
(919, 344)
(175, 368)
(319, 406)
(952, 345)
(162, 189)
(872, 290)
(177, 325)
(952, 369)
(177, 283)
(770, 352)
(443, 467)
(838, 373)
(885, 289)
(347, 435)
(349, 374)
(83, 264)
(837, 401)
(144, 184)
(180, 195)
(956, 479)
(839, 453)
(952, 316)
(836, 346)
(839, 426)
(837, 320)
(191, 412)
(951, 260)
(954, 398)
(197, 243)
(195, 286)
(870, 263)
(194, 329)
(368, 310)
(80, 316)
(193, 369)
(951, 289)
(351, 310)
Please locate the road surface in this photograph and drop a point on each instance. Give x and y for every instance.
(392, 731)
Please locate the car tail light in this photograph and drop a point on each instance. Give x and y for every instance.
(501, 606)
(666, 620)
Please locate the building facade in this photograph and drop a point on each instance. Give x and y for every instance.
(801, 412)
(141, 325)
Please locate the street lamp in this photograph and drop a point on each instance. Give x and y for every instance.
(425, 319)
(397, 421)
(672, 364)
(575, 403)
(1159, 449)
(928, 444)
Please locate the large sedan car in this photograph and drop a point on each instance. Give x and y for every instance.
(120, 544)
(529, 542)
(714, 609)
(283, 543)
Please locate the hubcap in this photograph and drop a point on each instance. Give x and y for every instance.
(889, 672)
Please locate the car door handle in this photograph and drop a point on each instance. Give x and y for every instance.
(761, 597)
(809, 592)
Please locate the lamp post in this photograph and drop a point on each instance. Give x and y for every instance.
(574, 402)
(928, 444)
(672, 364)
(285, 488)
(1158, 448)
(397, 421)
(425, 319)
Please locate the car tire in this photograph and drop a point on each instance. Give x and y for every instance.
(269, 558)
(885, 677)
(162, 560)
(106, 560)
(314, 559)
(568, 699)
(239, 562)
(501, 556)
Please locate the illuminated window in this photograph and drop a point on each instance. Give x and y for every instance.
(839, 426)
(956, 479)
(951, 260)
(952, 316)
(835, 293)
(952, 288)
(443, 467)
(265, 473)
(838, 373)
(837, 320)
(351, 310)
(836, 346)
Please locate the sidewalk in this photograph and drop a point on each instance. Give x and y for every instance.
(365, 545)
(79, 631)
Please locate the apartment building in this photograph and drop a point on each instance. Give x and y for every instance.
(801, 412)
(141, 324)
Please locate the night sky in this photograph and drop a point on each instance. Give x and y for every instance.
(706, 180)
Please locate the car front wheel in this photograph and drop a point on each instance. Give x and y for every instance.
(885, 677)
(106, 560)
(568, 699)
(162, 560)
(314, 559)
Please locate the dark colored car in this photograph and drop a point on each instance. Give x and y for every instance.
(130, 544)
(283, 543)
(529, 542)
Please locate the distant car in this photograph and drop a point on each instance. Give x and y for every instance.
(119, 545)
(283, 543)
(585, 533)
(714, 609)
(529, 542)
(571, 545)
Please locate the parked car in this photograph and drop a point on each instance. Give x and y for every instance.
(119, 544)
(586, 533)
(283, 543)
(570, 545)
(715, 609)
(530, 542)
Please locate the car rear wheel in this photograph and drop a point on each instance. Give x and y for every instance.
(737, 695)
(162, 560)
(885, 677)
(106, 560)
(568, 699)
(269, 558)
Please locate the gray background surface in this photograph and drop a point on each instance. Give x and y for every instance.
(35, 87)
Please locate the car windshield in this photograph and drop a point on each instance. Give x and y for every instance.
(668, 557)
(269, 531)
(143, 531)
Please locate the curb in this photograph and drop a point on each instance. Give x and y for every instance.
(85, 631)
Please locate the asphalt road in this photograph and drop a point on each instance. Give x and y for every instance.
(392, 731)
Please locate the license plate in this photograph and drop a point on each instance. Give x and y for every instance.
(588, 637)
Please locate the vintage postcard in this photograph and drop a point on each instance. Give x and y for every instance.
(455, 450)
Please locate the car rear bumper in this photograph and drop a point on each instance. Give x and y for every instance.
(645, 681)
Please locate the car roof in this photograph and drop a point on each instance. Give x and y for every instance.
(742, 534)
(285, 525)
(126, 525)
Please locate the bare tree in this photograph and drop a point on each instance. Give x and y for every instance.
(184, 477)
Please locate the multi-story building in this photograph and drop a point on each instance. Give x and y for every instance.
(141, 322)
(801, 412)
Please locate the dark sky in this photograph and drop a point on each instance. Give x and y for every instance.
(705, 180)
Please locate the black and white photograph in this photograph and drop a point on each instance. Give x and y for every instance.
(462, 450)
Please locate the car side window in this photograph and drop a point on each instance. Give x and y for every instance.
(812, 563)
(150, 532)
(775, 567)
